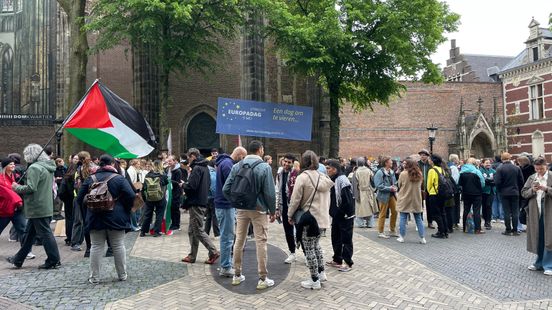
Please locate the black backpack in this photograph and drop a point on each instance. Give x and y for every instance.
(243, 192)
(445, 190)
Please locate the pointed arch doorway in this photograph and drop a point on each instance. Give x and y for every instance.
(201, 133)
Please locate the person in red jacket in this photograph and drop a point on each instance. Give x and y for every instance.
(10, 202)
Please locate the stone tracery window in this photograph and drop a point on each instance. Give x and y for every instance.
(537, 141)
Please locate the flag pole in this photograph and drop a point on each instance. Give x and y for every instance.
(62, 125)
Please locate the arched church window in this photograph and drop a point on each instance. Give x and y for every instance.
(537, 140)
(7, 80)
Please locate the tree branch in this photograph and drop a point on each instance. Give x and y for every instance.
(65, 5)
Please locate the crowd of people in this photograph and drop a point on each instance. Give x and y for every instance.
(238, 194)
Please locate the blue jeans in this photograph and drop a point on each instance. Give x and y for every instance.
(544, 256)
(498, 213)
(19, 222)
(227, 222)
(419, 224)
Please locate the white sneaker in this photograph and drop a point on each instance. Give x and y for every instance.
(548, 272)
(322, 276)
(393, 234)
(532, 268)
(310, 284)
(238, 280)
(493, 221)
(31, 255)
(261, 285)
(382, 235)
(501, 221)
(400, 239)
(423, 241)
(290, 259)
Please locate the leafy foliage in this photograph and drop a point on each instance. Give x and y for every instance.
(361, 48)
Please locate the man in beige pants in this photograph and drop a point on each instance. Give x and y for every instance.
(265, 206)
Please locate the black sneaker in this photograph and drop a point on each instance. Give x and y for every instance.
(507, 233)
(438, 236)
(50, 266)
(142, 234)
(15, 265)
(515, 233)
(157, 235)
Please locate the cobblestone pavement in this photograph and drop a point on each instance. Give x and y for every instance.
(463, 272)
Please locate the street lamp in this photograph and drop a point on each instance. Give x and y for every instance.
(432, 131)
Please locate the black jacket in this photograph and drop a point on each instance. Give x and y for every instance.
(176, 178)
(199, 182)
(119, 218)
(471, 184)
(527, 171)
(347, 206)
(508, 179)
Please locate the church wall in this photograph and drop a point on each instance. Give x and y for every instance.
(400, 129)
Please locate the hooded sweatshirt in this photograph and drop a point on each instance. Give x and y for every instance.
(199, 182)
(224, 165)
(37, 193)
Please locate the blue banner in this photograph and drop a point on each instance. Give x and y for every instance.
(263, 119)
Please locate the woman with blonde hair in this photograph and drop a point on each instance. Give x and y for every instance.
(409, 199)
(153, 193)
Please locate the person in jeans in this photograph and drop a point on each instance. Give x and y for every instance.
(538, 191)
(472, 183)
(385, 182)
(342, 211)
(197, 191)
(266, 201)
(7, 178)
(488, 192)
(211, 217)
(509, 182)
(312, 195)
(283, 195)
(111, 225)
(409, 199)
(38, 207)
(151, 205)
(226, 214)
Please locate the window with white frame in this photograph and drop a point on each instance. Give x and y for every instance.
(517, 108)
(536, 101)
(537, 141)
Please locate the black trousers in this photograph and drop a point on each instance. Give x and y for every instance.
(149, 208)
(342, 240)
(510, 205)
(288, 230)
(449, 211)
(39, 227)
(211, 218)
(456, 209)
(472, 202)
(436, 208)
(175, 213)
(487, 208)
(68, 209)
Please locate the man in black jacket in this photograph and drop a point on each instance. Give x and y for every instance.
(342, 210)
(509, 182)
(175, 174)
(197, 190)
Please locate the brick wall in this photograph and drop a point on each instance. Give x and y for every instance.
(16, 138)
(400, 130)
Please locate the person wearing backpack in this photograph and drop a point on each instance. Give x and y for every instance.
(254, 203)
(211, 217)
(113, 224)
(153, 192)
(472, 183)
(197, 192)
(435, 202)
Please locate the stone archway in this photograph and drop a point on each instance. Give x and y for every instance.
(201, 133)
(482, 146)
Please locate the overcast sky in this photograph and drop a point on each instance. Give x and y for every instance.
(493, 27)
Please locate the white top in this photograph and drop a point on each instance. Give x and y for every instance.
(542, 181)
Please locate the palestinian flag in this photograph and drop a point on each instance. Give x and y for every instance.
(107, 122)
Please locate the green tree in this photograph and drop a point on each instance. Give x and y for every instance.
(359, 49)
(180, 35)
(78, 60)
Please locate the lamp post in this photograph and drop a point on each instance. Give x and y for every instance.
(431, 131)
